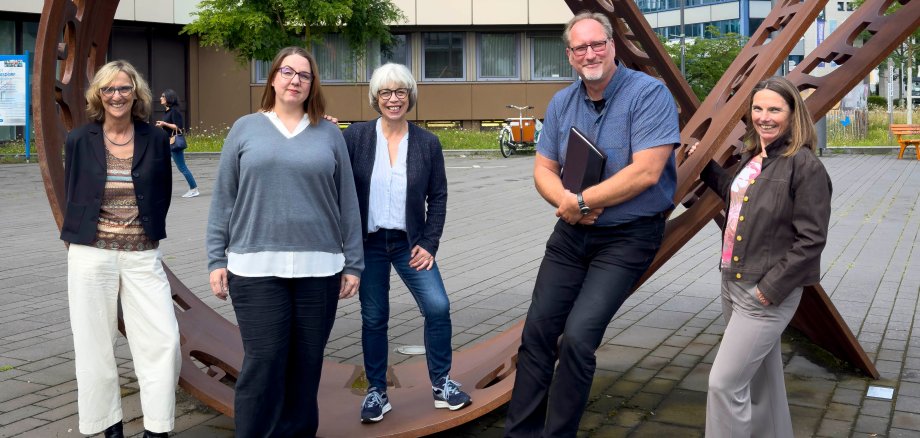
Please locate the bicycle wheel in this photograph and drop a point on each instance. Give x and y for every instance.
(504, 142)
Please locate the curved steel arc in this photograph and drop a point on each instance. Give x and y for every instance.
(67, 53)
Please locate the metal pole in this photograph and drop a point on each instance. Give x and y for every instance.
(683, 38)
(890, 93)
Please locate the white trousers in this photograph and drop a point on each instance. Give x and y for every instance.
(747, 393)
(95, 280)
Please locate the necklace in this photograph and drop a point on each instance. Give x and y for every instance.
(106, 135)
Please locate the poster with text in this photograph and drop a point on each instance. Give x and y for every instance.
(13, 92)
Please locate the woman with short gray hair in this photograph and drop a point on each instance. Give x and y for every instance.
(398, 170)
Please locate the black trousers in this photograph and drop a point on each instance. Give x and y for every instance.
(284, 323)
(586, 275)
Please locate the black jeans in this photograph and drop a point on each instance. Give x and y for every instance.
(586, 274)
(284, 323)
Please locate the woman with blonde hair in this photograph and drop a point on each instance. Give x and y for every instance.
(118, 185)
(284, 242)
(777, 204)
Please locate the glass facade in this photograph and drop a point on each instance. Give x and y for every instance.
(399, 54)
(443, 56)
(335, 58)
(548, 59)
(494, 60)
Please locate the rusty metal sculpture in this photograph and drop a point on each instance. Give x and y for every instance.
(71, 36)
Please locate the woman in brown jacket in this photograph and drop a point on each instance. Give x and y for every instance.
(777, 204)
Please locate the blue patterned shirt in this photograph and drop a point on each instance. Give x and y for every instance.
(639, 113)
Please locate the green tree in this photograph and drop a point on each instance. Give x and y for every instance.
(706, 59)
(906, 53)
(257, 29)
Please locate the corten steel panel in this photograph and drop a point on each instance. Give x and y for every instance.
(444, 102)
(489, 100)
(223, 88)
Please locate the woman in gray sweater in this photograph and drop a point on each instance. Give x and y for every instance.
(284, 241)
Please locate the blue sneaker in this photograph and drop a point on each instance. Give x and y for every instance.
(447, 395)
(374, 406)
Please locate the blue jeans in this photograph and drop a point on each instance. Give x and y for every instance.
(285, 324)
(586, 275)
(391, 247)
(179, 158)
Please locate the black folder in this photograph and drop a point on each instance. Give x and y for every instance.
(584, 163)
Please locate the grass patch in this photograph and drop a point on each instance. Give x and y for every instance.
(6, 368)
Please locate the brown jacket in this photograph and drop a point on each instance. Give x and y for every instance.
(783, 223)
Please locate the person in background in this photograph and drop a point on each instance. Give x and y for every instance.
(118, 185)
(173, 124)
(402, 193)
(778, 204)
(284, 241)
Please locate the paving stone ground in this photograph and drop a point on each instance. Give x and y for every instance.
(651, 369)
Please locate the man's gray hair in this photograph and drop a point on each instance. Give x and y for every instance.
(395, 74)
(585, 15)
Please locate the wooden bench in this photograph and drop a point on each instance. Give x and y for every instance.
(906, 136)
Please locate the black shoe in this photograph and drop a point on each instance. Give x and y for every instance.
(115, 431)
(149, 434)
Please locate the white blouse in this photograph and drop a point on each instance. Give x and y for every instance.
(387, 201)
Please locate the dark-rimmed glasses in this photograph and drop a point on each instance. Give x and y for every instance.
(385, 94)
(288, 73)
(598, 47)
(124, 90)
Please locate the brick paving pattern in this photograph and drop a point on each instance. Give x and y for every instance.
(651, 369)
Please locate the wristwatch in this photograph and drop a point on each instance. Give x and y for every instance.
(581, 205)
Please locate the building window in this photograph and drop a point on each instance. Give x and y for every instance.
(399, 54)
(549, 59)
(499, 56)
(260, 71)
(335, 59)
(839, 6)
(443, 56)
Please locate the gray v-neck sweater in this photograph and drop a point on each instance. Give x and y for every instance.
(284, 194)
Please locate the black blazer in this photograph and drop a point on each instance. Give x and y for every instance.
(84, 180)
(426, 181)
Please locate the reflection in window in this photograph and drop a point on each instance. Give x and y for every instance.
(398, 53)
(494, 59)
(549, 59)
(335, 58)
(442, 57)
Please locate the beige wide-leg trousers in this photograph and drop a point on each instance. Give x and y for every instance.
(95, 279)
(747, 393)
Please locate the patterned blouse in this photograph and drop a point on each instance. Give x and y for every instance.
(119, 225)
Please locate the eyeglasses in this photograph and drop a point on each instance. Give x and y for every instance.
(125, 90)
(288, 73)
(598, 47)
(385, 94)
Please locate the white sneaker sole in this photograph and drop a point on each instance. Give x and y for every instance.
(438, 404)
(386, 408)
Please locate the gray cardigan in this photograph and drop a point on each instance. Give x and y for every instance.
(284, 194)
